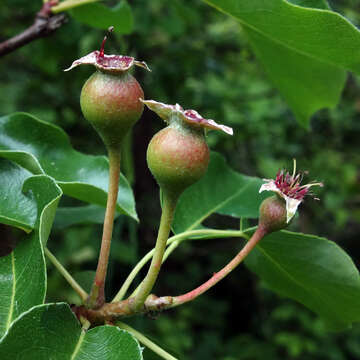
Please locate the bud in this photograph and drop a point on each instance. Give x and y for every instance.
(277, 211)
(273, 214)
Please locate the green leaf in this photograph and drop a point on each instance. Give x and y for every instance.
(102, 17)
(23, 272)
(16, 208)
(22, 280)
(52, 332)
(304, 51)
(221, 191)
(47, 195)
(44, 148)
(89, 214)
(85, 279)
(311, 270)
(316, 4)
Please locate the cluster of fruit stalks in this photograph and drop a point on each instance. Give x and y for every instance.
(112, 101)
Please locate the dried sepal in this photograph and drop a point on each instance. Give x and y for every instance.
(108, 63)
(192, 117)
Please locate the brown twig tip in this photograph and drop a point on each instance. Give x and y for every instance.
(45, 23)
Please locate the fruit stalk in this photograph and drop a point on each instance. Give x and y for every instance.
(191, 295)
(168, 209)
(97, 295)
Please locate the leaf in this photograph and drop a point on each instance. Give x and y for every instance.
(23, 272)
(316, 4)
(89, 214)
(16, 209)
(85, 279)
(22, 280)
(221, 191)
(44, 148)
(47, 195)
(54, 333)
(304, 51)
(102, 17)
(311, 270)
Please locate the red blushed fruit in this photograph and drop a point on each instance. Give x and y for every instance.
(273, 214)
(177, 157)
(110, 102)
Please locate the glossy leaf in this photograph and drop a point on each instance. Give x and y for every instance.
(297, 49)
(23, 272)
(102, 17)
(312, 270)
(47, 195)
(222, 191)
(316, 4)
(16, 209)
(22, 280)
(54, 333)
(88, 214)
(44, 148)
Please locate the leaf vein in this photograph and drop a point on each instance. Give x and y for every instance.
(285, 45)
(12, 300)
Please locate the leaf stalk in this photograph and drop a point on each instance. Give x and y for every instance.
(72, 282)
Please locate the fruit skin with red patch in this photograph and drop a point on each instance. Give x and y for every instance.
(178, 157)
(110, 102)
(273, 214)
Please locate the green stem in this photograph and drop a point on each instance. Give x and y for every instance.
(168, 209)
(191, 295)
(145, 341)
(70, 4)
(72, 282)
(97, 295)
(192, 235)
(170, 249)
(167, 253)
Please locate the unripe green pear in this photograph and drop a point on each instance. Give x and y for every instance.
(178, 157)
(273, 214)
(110, 98)
(110, 102)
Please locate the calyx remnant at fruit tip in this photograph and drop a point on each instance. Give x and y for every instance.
(191, 117)
(108, 63)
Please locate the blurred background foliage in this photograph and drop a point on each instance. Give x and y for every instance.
(201, 59)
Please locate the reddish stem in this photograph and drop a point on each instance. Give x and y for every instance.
(97, 295)
(110, 30)
(191, 295)
(101, 55)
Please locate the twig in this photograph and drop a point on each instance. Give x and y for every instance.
(45, 23)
